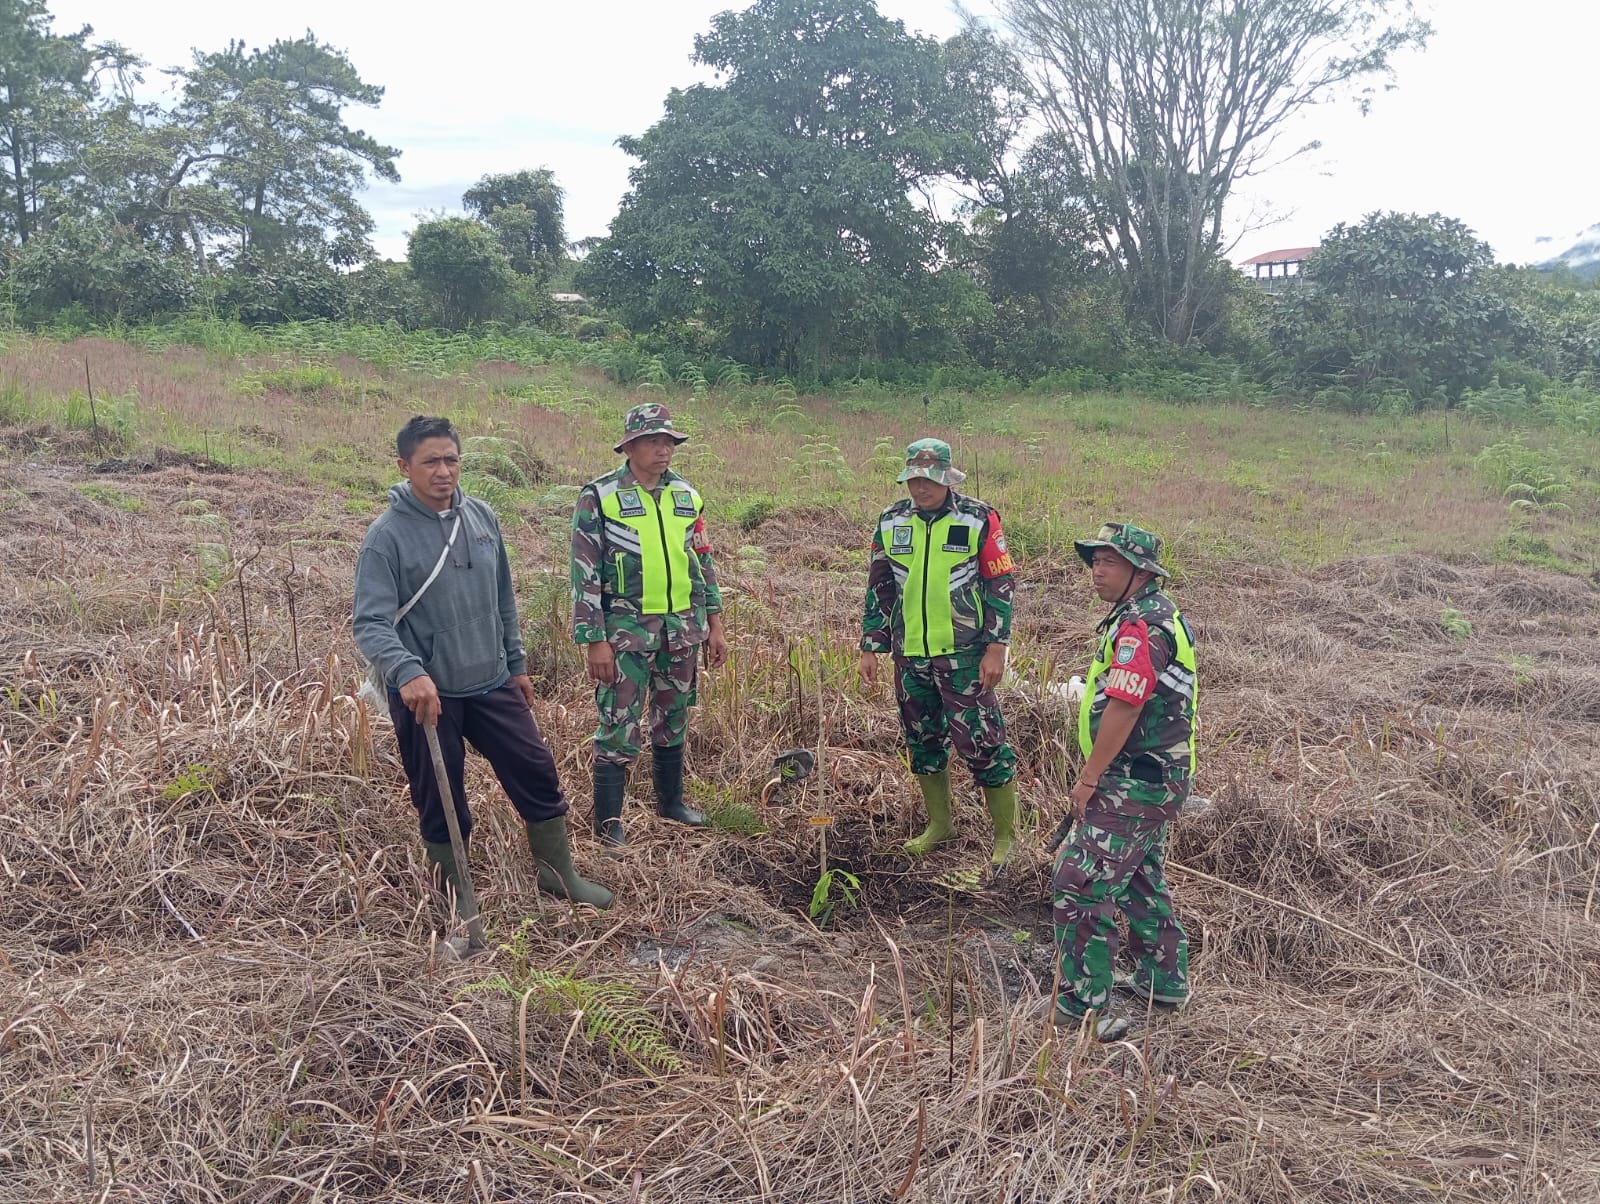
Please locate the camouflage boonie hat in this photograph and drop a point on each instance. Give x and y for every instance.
(1138, 547)
(648, 419)
(930, 458)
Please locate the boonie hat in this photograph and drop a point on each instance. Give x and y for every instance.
(930, 458)
(1138, 547)
(651, 418)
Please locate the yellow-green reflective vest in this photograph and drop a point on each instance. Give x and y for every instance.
(1166, 726)
(932, 561)
(658, 533)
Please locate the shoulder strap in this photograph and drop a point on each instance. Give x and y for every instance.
(443, 556)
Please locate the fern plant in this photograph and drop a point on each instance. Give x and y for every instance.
(487, 487)
(692, 377)
(610, 1010)
(1540, 492)
(886, 457)
(493, 455)
(654, 371)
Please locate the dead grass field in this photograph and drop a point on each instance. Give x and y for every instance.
(214, 972)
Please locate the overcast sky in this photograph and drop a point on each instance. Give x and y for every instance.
(1495, 123)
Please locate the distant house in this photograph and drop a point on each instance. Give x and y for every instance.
(569, 298)
(1275, 271)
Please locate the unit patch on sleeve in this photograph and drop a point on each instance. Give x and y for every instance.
(629, 504)
(995, 559)
(1131, 678)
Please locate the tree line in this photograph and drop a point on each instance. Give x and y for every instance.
(847, 197)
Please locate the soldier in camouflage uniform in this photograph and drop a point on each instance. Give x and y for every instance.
(644, 598)
(1136, 732)
(939, 598)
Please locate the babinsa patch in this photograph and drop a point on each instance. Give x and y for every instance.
(1126, 681)
(1127, 649)
(629, 503)
(683, 503)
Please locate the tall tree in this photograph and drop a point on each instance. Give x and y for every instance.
(784, 206)
(267, 129)
(1034, 243)
(524, 209)
(47, 80)
(460, 265)
(1169, 103)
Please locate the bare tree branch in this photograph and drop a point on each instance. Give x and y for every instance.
(1169, 103)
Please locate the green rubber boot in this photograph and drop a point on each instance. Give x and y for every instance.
(446, 876)
(936, 796)
(552, 857)
(1002, 804)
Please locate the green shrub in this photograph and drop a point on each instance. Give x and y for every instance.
(109, 496)
(1509, 406)
(1455, 624)
(1512, 464)
(1520, 547)
(1572, 409)
(114, 416)
(752, 512)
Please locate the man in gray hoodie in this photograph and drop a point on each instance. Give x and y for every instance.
(453, 659)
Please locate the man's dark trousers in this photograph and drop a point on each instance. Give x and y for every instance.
(499, 726)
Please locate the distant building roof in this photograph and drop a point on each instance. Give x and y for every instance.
(1286, 255)
(572, 298)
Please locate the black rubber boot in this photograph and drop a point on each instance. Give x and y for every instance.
(666, 768)
(610, 780)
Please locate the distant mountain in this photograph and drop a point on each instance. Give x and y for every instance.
(1583, 256)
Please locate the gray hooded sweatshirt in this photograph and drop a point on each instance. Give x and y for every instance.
(463, 632)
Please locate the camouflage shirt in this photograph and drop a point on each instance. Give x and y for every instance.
(1138, 642)
(602, 611)
(980, 593)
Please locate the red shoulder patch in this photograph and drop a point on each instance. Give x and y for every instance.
(995, 558)
(1130, 676)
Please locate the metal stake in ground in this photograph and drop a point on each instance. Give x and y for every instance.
(468, 902)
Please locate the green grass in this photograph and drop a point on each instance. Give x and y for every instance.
(1278, 482)
(110, 496)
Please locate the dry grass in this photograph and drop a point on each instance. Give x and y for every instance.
(214, 977)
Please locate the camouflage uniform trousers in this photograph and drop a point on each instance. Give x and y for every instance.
(668, 677)
(942, 703)
(1112, 862)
